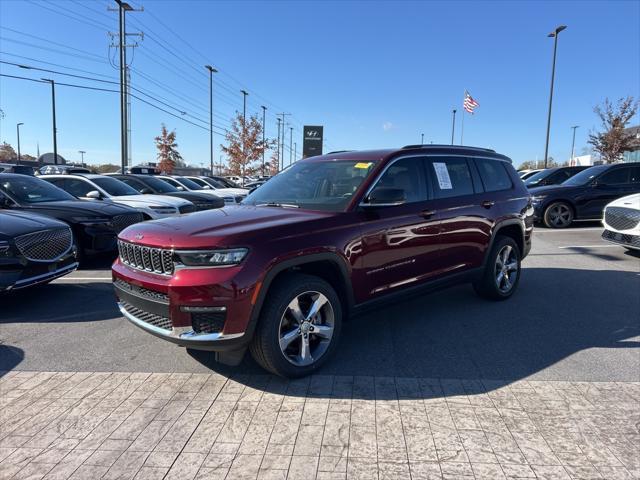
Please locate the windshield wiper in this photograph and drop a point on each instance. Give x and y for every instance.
(275, 204)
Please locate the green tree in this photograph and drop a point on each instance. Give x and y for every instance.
(168, 155)
(612, 141)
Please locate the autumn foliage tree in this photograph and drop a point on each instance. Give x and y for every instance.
(245, 146)
(613, 141)
(168, 156)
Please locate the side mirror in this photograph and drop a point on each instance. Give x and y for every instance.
(94, 195)
(146, 191)
(385, 197)
(5, 202)
(180, 188)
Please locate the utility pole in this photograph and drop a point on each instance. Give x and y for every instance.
(295, 150)
(278, 144)
(553, 35)
(290, 145)
(82, 152)
(573, 142)
(54, 128)
(123, 8)
(283, 133)
(244, 130)
(18, 135)
(453, 125)
(244, 105)
(211, 72)
(422, 139)
(264, 117)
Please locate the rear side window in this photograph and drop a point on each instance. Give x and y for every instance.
(635, 175)
(77, 188)
(451, 177)
(493, 174)
(618, 176)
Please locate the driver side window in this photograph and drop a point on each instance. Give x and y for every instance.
(77, 188)
(406, 175)
(619, 176)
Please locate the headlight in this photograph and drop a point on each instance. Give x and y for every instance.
(212, 258)
(91, 220)
(163, 210)
(4, 246)
(538, 198)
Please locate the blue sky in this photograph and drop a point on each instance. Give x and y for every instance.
(375, 74)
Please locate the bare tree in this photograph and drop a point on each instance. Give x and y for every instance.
(613, 141)
(168, 156)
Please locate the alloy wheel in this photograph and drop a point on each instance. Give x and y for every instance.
(306, 328)
(559, 215)
(506, 268)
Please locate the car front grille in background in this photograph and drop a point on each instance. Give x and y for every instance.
(209, 322)
(150, 318)
(205, 205)
(156, 260)
(120, 222)
(622, 238)
(141, 291)
(621, 218)
(46, 245)
(187, 209)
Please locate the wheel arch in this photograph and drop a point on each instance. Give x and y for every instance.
(513, 228)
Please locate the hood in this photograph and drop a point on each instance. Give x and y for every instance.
(630, 201)
(148, 200)
(220, 227)
(236, 192)
(66, 208)
(13, 224)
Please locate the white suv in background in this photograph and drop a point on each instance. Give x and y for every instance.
(188, 185)
(100, 187)
(216, 185)
(621, 222)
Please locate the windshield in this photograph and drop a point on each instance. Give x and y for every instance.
(158, 185)
(190, 184)
(114, 187)
(327, 185)
(537, 178)
(32, 190)
(214, 183)
(585, 176)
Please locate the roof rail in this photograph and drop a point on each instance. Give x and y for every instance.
(461, 147)
(338, 151)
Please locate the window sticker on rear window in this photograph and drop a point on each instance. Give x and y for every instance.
(444, 181)
(362, 165)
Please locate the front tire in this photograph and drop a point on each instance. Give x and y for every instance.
(558, 215)
(299, 326)
(502, 271)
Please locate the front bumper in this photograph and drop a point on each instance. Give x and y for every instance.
(15, 277)
(628, 240)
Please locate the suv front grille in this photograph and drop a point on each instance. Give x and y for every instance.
(46, 245)
(150, 318)
(120, 222)
(141, 291)
(626, 239)
(622, 218)
(149, 259)
(187, 209)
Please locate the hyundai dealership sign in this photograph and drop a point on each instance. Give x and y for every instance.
(312, 144)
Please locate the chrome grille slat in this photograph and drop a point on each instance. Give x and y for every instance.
(45, 245)
(148, 259)
(622, 218)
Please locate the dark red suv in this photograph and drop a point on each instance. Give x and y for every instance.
(325, 238)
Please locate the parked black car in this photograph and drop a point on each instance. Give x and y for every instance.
(95, 226)
(148, 184)
(552, 176)
(584, 196)
(33, 249)
(13, 168)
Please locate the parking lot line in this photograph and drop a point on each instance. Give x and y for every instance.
(591, 246)
(574, 230)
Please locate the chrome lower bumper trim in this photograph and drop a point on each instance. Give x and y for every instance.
(45, 277)
(179, 333)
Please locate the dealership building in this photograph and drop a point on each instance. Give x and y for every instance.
(633, 155)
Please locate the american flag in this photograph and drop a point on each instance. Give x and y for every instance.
(469, 103)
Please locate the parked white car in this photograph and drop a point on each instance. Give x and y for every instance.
(213, 184)
(621, 222)
(187, 185)
(103, 188)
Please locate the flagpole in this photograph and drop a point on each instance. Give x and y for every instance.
(462, 127)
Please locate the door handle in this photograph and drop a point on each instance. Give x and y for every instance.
(427, 213)
(488, 203)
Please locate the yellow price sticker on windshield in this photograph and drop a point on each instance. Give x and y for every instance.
(362, 165)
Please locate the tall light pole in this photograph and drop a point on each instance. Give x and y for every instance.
(554, 35)
(244, 104)
(211, 72)
(453, 124)
(573, 142)
(53, 109)
(278, 144)
(290, 145)
(264, 118)
(82, 152)
(422, 139)
(18, 135)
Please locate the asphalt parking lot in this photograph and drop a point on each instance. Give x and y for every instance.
(575, 317)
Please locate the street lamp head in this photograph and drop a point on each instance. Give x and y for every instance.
(244, 92)
(263, 107)
(125, 6)
(211, 69)
(20, 124)
(557, 31)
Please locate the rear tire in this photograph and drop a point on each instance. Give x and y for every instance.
(299, 326)
(558, 215)
(502, 271)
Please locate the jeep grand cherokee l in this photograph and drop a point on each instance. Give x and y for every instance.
(331, 235)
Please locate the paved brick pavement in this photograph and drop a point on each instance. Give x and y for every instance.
(83, 425)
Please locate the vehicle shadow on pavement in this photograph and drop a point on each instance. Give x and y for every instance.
(454, 334)
(80, 302)
(10, 357)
